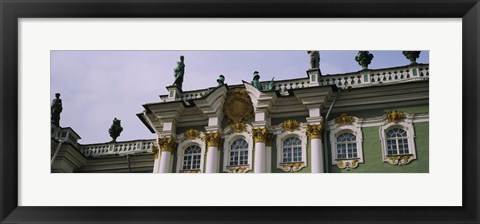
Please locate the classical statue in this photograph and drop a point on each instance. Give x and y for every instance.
(256, 81)
(314, 59)
(257, 84)
(115, 129)
(412, 56)
(56, 109)
(221, 80)
(179, 71)
(364, 58)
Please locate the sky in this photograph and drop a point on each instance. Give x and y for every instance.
(98, 86)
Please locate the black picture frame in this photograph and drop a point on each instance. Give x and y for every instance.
(12, 10)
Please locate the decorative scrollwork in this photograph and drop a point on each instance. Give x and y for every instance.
(191, 134)
(291, 167)
(315, 130)
(399, 160)
(155, 151)
(212, 139)
(260, 135)
(237, 169)
(167, 144)
(238, 106)
(344, 119)
(290, 125)
(347, 164)
(395, 116)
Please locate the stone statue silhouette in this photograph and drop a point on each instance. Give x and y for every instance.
(115, 129)
(179, 71)
(314, 59)
(56, 109)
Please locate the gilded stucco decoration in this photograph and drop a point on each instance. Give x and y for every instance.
(191, 134)
(189, 171)
(237, 169)
(167, 144)
(238, 127)
(344, 119)
(347, 164)
(238, 106)
(155, 151)
(400, 159)
(291, 167)
(290, 125)
(315, 130)
(260, 135)
(395, 116)
(212, 139)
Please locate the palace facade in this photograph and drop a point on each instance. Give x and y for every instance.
(370, 121)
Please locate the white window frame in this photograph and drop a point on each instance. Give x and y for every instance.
(335, 131)
(281, 136)
(402, 159)
(181, 150)
(230, 137)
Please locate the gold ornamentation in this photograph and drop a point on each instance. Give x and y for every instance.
(212, 139)
(260, 135)
(269, 139)
(238, 106)
(191, 134)
(348, 164)
(291, 167)
(189, 171)
(238, 127)
(167, 144)
(155, 151)
(344, 119)
(237, 169)
(290, 125)
(315, 131)
(400, 160)
(395, 116)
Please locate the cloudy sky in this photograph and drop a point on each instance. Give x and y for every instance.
(97, 86)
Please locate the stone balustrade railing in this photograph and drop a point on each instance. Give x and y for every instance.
(117, 148)
(353, 80)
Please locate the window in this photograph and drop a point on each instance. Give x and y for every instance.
(239, 152)
(192, 157)
(397, 142)
(346, 140)
(346, 146)
(292, 150)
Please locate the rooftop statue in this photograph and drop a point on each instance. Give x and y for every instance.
(412, 56)
(56, 109)
(221, 80)
(179, 71)
(257, 84)
(314, 59)
(364, 58)
(115, 129)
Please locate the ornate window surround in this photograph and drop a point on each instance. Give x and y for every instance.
(354, 127)
(407, 125)
(229, 137)
(184, 143)
(281, 134)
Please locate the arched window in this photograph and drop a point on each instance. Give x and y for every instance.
(239, 152)
(346, 146)
(192, 157)
(292, 150)
(397, 142)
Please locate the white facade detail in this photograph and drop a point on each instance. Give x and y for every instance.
(229, 138)
(181, 150)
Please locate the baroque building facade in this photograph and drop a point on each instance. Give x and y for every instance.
(373, 121)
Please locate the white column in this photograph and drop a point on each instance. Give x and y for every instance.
(317, 155)
(259, 157)
(268, 159)
(212, 158)
(165, 162)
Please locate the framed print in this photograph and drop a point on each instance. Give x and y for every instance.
(370, 143)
